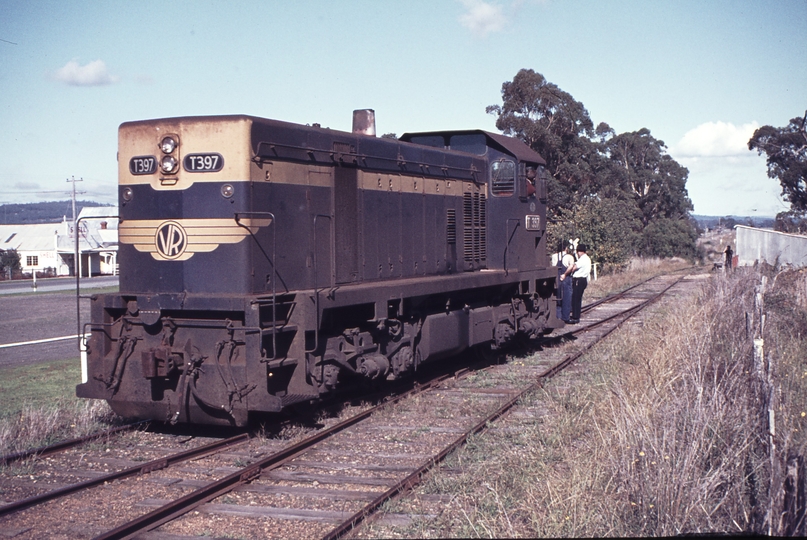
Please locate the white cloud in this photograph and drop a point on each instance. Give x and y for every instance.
(93, 74)
(715, 139)
(725, 177)
(722, 186)
(482, 18)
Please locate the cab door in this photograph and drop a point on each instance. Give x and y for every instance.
(517, 214)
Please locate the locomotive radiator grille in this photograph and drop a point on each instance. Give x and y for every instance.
(474, 229)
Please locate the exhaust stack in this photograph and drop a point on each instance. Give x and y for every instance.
(364, 122)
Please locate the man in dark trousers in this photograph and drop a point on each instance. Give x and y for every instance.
(580, 272)
(565, 261)
(729, 255)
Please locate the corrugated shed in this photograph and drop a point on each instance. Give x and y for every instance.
(758, 245)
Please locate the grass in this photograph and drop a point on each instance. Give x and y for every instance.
(665, 431)
(37, 385)
(38, 406)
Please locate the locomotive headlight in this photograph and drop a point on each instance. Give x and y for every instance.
(227, 191)
(127, 194)
(168, 164)
(168, 144)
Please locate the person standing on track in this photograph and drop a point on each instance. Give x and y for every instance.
(579, 271)
(729, 256)
(565, 260)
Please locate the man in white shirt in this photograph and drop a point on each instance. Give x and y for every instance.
(565, 260)
(579, 271)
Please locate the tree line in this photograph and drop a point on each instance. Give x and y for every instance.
(621, 194)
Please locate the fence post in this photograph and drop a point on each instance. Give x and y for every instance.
(793, 508)
(767, 396)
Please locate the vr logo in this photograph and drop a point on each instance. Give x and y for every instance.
(181, 239)
(171, 240)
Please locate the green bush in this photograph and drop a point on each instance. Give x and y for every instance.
(666, 237)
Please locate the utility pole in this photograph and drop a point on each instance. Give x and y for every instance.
(76, 257)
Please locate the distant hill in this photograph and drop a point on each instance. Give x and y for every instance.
(41, 212)
(730, 221)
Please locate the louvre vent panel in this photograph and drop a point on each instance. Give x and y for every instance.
(474, 219)
(451, 226)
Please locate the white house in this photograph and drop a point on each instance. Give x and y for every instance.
(49, 248)
(36, 245)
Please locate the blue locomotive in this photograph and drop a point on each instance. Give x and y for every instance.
(266, 263)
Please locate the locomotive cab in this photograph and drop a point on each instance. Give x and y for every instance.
(516, 183)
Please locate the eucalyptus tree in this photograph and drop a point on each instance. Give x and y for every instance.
(646, 173)
(605, 186)
(786, 151)
(555, 125)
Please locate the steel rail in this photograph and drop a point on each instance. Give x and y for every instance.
(622, 293)
(153, 465)
(637, 307)
(612, 297)
(183, 505)
(414, 478)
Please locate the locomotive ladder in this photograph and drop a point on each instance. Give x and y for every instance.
(237, 216)
(77, 255)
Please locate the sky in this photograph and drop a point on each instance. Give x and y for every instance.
(700, 75)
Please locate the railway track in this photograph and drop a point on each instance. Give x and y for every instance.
(330, 482)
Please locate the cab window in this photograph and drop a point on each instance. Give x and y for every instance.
(502, 177)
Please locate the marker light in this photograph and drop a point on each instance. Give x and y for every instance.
(127, 194)
(227, 191)
(168, 164)
(168, 144)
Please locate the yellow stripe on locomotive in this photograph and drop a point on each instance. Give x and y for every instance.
(180, 239)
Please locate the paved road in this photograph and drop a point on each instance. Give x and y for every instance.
(50, 312)
(18, 286)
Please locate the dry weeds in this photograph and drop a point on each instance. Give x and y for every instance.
(666, 432)
(38, 426)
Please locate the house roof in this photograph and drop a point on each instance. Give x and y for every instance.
(32, 237)
(59, 236)
(101, 213)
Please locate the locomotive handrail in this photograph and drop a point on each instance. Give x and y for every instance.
(272, 261)
(398, 161)
(316, 271)
(76, 266)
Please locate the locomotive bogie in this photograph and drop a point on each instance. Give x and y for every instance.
(265, 264)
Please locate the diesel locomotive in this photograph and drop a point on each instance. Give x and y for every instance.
(264, 263)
